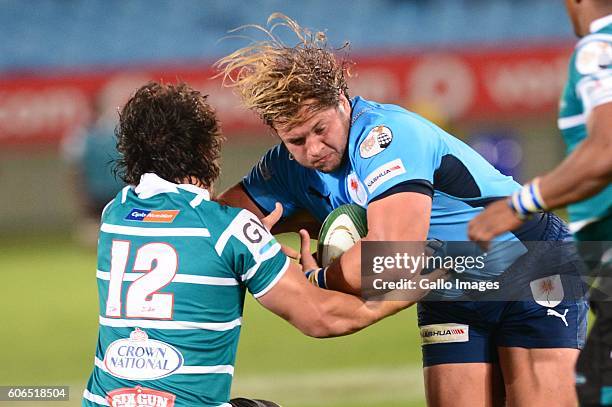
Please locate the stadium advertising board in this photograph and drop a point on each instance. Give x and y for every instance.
(38, 109)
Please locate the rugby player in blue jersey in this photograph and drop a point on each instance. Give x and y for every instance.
(174, 267)
(417, 182)
(581, 181)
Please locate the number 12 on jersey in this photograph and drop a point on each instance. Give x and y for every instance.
(158, 263)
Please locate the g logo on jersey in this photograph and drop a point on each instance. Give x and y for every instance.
(252, 230)
(377, 140)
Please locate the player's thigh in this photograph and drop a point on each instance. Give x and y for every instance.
(459, 357)
(539, 377)
(464, 384)
(538, 347)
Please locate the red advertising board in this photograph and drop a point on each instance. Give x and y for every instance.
(40, 109)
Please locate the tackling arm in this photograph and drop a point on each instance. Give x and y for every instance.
(236, 196)
(323, 313)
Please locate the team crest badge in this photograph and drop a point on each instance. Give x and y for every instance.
(547, 291)
(377, 140)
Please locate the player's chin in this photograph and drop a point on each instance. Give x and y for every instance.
(328, 165)
(327, 168)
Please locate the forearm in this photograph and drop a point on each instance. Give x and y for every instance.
(236, 196)
(344, 274)
(582, 174)
(297, 221)
(588, 169)
(342, 320)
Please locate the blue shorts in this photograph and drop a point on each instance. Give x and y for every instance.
(471, 332)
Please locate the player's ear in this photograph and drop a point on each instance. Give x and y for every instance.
(344, 105)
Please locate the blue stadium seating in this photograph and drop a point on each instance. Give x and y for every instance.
(66, 33)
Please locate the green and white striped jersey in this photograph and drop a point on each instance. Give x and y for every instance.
(173, 268)
(589, 84)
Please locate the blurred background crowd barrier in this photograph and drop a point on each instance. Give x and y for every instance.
(488, 71)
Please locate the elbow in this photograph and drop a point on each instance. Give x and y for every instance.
(601, 171)
(324, 326)
(316, 327)
(600, 164)
(326, 329)
(318, 333)
(607, 172)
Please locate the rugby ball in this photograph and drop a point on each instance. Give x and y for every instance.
(342, 228)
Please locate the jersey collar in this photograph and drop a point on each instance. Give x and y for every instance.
(600, 23)
(359, 106)
(151, 184)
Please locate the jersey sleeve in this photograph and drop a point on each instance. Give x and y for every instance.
(591, 72)
(253, 253)
(397, 156)
(269, 181)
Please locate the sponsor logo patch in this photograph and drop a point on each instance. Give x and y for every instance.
(593, 56)
(444, 333)
(139, 397)
(384, 173)
(141, 358)
(377, 140)
(547, 291)
(156, 216)
(356, 189)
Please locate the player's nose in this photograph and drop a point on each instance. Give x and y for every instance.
(315, 149)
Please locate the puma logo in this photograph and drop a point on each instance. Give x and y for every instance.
(554, 313)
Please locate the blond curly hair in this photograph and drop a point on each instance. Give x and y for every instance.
(277, 81)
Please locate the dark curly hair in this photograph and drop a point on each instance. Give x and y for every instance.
(171, 131)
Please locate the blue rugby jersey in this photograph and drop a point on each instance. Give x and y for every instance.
(389, 149)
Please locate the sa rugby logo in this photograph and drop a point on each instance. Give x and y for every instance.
(547, 291)
(377, 140)
(356, 190)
